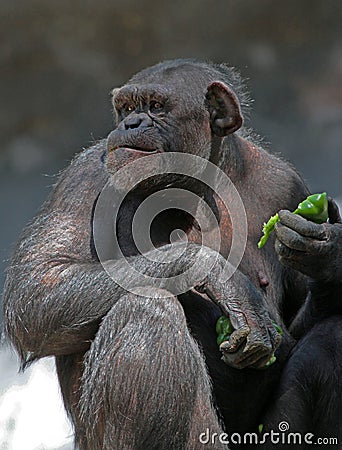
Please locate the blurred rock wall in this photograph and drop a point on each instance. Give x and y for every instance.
(60, 59)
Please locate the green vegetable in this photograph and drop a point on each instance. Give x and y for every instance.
(271, 361)
(260, 428)
(267, 230)
(224, 329)
(221, 338)
(277, 327)
(314, 208)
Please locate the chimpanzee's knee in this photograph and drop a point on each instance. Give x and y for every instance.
(132, 337)
(140, 382)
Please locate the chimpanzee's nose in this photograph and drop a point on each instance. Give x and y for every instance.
(141, 120)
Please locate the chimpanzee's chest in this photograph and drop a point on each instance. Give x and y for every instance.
(140, 229)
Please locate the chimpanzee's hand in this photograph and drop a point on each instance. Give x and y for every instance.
(255, 338)
(315, 250)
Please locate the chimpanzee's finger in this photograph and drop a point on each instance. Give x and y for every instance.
(236, 339)
(262, 363)
(302, 226)
(245, 356)
(284, 251)
(295, 241)
(243, 359)
(333, 211)
(302, 262)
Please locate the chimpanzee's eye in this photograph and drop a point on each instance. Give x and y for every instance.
(156, 107)
(129, 108)
(125, 110)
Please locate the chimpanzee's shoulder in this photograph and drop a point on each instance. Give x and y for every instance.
(88, 163)
(83, 179)
(94, 154)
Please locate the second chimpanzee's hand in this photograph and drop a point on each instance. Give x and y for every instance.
(315, 250)
(255, 338)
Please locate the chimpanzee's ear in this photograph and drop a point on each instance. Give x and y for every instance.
(224, 109)
(113, 93)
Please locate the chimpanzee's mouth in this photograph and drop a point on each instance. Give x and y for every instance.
(141, 149)
(137, 149)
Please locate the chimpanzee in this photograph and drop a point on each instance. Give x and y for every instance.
(141, 369)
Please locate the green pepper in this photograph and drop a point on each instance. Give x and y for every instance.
(277, 327)
(224, 329)
(221, 338)
(267, 230)
(271, 361)
(314, 208)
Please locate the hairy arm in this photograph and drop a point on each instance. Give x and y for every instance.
(49, 295)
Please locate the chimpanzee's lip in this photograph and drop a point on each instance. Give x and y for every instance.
(139, 150)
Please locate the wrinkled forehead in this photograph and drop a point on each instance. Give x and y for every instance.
(187, 80)
(145, 90)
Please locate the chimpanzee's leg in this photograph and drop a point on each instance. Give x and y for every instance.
(145, 384)
(309, 398)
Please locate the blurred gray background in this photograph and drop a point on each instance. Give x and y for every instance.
(60, 59)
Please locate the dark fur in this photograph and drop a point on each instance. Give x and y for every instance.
(140, 373)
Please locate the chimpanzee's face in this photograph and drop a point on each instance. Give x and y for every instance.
(170, 109)
(163, 115)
